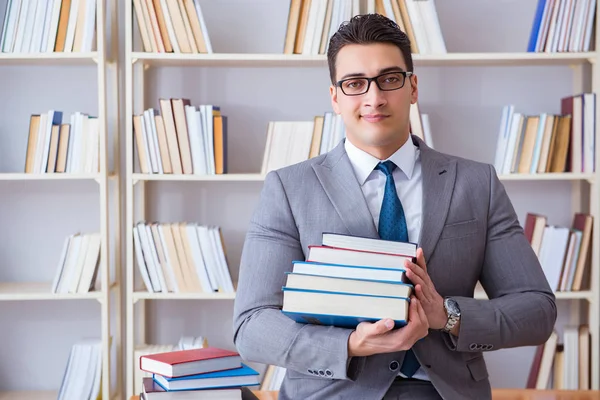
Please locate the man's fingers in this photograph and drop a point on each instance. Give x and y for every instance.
(421, 259)
(381, 326)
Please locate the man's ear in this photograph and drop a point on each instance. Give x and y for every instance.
(334, 102)
(414, 89)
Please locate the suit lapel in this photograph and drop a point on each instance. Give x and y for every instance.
(439, 175)
(337, 177)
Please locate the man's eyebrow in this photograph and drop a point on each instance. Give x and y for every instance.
(381, 71)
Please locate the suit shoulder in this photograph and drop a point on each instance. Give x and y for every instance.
(470, 167)
(300, 170)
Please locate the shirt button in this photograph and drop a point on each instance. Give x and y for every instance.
(394, 365)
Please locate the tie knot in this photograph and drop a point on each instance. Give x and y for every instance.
(387, 167)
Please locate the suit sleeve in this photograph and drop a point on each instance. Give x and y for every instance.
(521, 309)
(261, 332)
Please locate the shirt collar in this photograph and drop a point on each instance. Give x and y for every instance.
(364, 163)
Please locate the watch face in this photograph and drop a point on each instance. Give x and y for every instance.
(452, 307)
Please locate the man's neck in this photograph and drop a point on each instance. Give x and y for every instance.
(381, 152)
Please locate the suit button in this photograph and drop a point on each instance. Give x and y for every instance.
(473, 346)
(394, 365)
(310, 371)
(328, 372)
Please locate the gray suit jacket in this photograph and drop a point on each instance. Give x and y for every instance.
(470, 232)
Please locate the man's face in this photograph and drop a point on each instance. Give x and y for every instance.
(376, 121)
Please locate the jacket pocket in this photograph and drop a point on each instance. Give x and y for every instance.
(477, 368)
(459, 229)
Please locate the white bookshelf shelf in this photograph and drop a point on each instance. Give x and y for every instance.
(301, 60)
(575, 295)
(190, 177)
(20, 176)
(18, 291)
(29, 395)
(58, 58)
(564, 176)
(182, 296)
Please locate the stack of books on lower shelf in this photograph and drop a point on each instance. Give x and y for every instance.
(204, 373)
(350, 279)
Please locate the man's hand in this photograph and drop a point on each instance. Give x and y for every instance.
(374, 338)
(432, 302)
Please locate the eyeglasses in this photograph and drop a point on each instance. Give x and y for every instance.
(385, 82)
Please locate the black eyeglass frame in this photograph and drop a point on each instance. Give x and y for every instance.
(405, 74)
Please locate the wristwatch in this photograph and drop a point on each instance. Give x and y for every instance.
(453, 313)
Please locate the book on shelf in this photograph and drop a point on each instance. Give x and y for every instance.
(79, 262)
(548, 143)
(210, 371)
(563, 362)
(181, 139)
(562, 26)
(349, 279)
(82, 378)
(310, 24)
(46, 26)
(172, 26)
(57, 146)
(564, 252)
(181, 257)
(291, 142)
(272, 378)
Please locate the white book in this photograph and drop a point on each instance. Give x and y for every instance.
(38, 26)
(90, 263)
(49, 40)
(210, 258)
(149, 141)
(61, 263)
(78, 270)
(72, 24)
(170, 28)
(9, 28)
(21, 27)
(29, 25)
(171, 259)
(198, 163)
(70, 264)
(153, 270)
(221, 260)
(90, 26)
(198, 257)
(141, 262)
(201, 140)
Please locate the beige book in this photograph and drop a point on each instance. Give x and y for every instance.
(326, 27)
(53, 152)
(166, 110)
(63, 148)
(163, 146)
(160, 252)
(186, 23)
(179, 26)
(34, 126)
(292, 26)
(173, 257)
(302, 23)
(528, 144)
(183, 260)
(63, 24)
(155, 29)
(141, 145)
(193, 273)
(182, 133)
(162, 26)
(408, 26)
(196, 28)
(144, 30)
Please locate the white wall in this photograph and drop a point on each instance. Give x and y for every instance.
(464, 105)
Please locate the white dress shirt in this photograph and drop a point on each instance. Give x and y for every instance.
(409, 186)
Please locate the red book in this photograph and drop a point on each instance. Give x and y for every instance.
(178, 363)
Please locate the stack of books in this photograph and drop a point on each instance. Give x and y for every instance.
(347, 280)
(205, 373)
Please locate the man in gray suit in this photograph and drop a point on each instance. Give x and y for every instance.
(455, 209)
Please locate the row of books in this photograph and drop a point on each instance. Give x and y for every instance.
(290, 142)
(311, 23)
(83, 374)
(203, 373)
(45, 26)
(181, 257)
(563, 142)
(182, 139)
(79, 262)
(562, 26)
(349, 279)
(562, 363)
(564, 252)
(54, 146)
(172, 26)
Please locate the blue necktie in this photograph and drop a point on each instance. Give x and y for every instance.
(392, 226)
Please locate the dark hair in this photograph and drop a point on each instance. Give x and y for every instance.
(366, 29)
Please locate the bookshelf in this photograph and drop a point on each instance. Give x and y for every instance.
(44, 208)
(473, 75)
